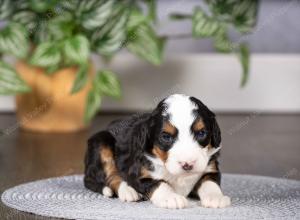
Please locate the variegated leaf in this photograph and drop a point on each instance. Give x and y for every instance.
(115, 38)
(245, 14)
(136, 17)
(41, 33)
(222, 42)
(10, 82)
(41, 5)
(61, 26)
(146, 44)
(26, 18)
(46, 54)
(13, 40)
(97, 16)
(77, 49)
(5, 9)
(108, 83)
(68, 5)
(203, 25)
(81, 78)
(93, 102)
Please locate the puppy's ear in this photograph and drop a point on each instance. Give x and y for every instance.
(203, 109)
(138, 141)
(216, 133)
(211, 119)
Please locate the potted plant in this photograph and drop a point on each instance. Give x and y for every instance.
(56, 86)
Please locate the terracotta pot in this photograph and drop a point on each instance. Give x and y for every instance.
(50, 107)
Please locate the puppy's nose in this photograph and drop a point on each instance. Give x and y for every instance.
(187, 166)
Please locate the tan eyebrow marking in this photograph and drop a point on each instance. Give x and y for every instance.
(198, 125)
(169, 128)
(160, 153)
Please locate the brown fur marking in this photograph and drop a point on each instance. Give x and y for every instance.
(211, 167)
(163, 155)
(198, 125)
(113, 179)
(169, 128)
(145, 173)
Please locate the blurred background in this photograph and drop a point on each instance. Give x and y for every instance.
(43, 133)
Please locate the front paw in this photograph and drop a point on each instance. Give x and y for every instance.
(171, 201)
(127, 194)
(215, 201)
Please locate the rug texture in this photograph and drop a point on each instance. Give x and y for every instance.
(253, 197)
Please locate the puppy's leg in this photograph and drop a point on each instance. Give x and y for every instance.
(210, 192)
(101, 174)
(94, 175)
(162, 194)
(125, 192)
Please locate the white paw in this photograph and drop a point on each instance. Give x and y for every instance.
(172, 201)
(107, 192)
(127, 193)
(215, 201)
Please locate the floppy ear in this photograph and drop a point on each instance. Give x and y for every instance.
(216, 133)
(139, 141)
(203, 109)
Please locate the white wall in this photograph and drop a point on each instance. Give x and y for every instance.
(274, 84)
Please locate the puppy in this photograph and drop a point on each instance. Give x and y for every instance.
(163, 156)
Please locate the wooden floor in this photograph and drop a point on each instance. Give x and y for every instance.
(252, 144)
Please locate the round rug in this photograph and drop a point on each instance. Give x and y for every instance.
(253, 197)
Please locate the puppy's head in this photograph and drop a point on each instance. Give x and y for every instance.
(184, 133)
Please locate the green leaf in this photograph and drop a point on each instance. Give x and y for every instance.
(68, 5)
(5, 9)
(13, 40)
(95, 15)
(42, 5)
(10, 82)
(222, 42)
(77, 49)
(114, 39)
(27, 18)
(244, 57)
(61, 26)
(111, 25)
(108, 84)
(203, 25)
(151, 9)
(93, 102)
(136, 18)
(244, 15)
(41, 33)
(46, 55)
(144, 42)
(52, 69)
(81, 79)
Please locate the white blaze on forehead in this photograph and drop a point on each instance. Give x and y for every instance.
(180, 109)
(185, 149)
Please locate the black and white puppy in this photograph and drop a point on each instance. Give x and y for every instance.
(163, 156)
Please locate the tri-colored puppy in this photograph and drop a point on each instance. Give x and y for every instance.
(163, 156)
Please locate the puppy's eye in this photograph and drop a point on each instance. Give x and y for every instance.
(166, 138)
(201, 134)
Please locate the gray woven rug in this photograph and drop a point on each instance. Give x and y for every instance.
(253, 197)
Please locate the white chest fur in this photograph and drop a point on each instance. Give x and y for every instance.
(182, 185)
